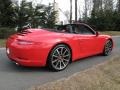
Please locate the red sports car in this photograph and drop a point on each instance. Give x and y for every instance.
(57, 48)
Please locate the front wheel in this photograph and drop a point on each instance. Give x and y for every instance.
(59, 57)
(108, 48)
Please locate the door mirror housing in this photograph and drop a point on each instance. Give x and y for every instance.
(97, 33)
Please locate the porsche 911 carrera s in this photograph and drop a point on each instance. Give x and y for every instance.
(56, 48)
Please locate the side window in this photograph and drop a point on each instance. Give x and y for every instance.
(76, 29)
(85, 30)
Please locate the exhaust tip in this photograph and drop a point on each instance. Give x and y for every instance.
(17, 64)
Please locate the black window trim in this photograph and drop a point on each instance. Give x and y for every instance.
(94, 32)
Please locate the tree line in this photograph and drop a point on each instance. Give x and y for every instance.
(20, 14)
(100, 14)
(104, 14)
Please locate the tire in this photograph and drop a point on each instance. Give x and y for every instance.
(108, 48)
(59, 57)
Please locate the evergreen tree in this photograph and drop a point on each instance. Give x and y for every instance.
(6, 13)
(49, 17)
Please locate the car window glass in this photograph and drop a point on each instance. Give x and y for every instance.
(65, 29)
(85, 30)
(76, 29)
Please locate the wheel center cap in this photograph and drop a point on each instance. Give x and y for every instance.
(60, 57)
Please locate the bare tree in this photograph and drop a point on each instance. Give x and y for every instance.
(86, 10)
(108, 5)
(75, 10)
(54, 4)
(88, 6)
(67, 15)
(79, 12)
(118, 5)
(97, 7)
(70, 11)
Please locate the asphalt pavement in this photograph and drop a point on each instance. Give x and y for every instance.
(13, 77)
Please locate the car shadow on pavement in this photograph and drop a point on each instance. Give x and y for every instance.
(7, 66)
(12, 67)
(27, 69)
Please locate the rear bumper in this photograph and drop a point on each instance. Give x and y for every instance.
(31, 56)
(28, 63)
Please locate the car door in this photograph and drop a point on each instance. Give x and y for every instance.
(87, 40)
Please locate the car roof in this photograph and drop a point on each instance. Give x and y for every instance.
(77, 24)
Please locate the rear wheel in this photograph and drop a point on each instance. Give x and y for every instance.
(59, 57)
(108, 48)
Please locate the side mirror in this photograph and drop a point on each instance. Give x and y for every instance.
(97, 33)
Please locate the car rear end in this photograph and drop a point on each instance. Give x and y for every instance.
(23, 51)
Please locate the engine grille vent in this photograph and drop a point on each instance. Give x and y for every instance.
(23, 33)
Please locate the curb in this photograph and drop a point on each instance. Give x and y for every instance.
(115, 36)
(2, 48)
